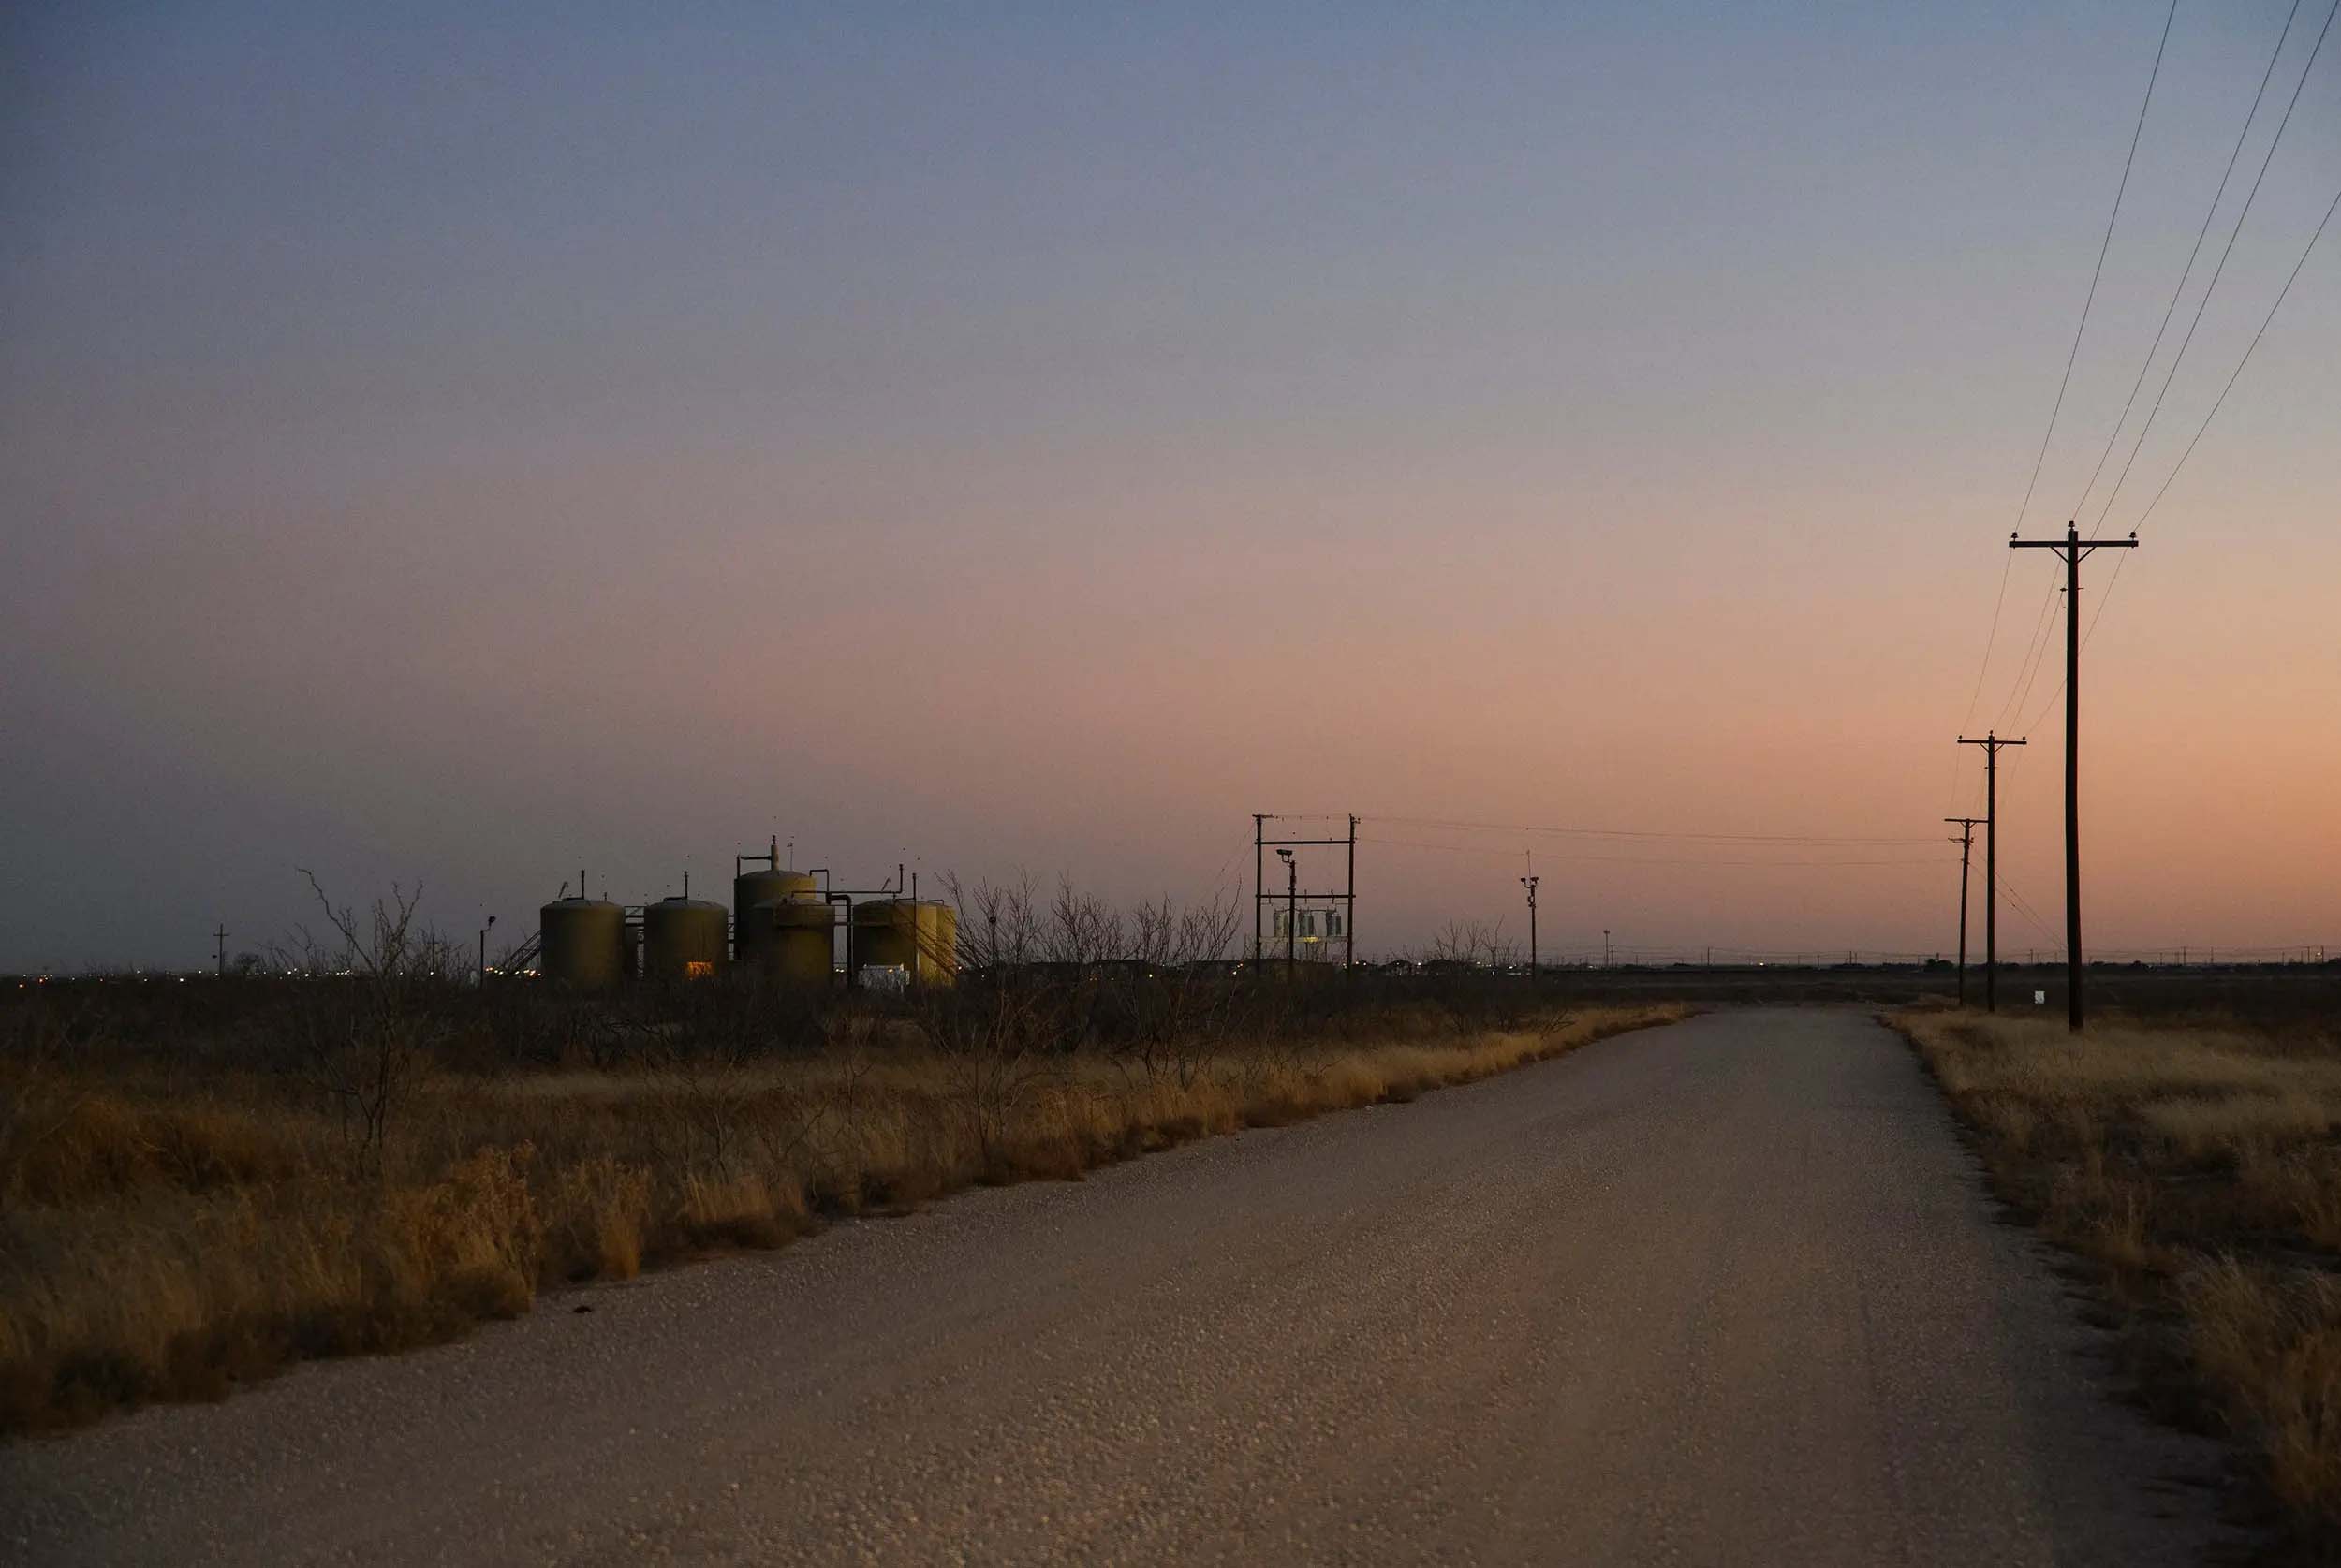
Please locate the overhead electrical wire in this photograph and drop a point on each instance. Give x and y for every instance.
(2103, 246)
(1991, 642)
(2180, 357)
(1640, 833)
(2098, 611)
(2023, 907)
(2270, 317)
(2036, 649)
(1652, 860)
(2115, 435)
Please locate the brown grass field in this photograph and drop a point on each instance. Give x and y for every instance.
(175, 1223)
(2195, 1171)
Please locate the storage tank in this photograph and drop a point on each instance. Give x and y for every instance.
(750, 889)
(683, 938)
(920, 935)
(583, 942)
(795, 941)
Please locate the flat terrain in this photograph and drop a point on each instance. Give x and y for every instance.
(1723, 1293)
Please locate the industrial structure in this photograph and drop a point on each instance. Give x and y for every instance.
(784, 928)
(1311, 923)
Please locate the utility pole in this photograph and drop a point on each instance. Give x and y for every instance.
(1530, 883)
(1966, 845)
(1292, 911)
(1259, 825)
(1608, 952)
(220, 951)
(1349, 903)
(1991, 744)
(492, 920)
(2072, 549)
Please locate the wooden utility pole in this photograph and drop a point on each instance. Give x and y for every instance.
(220, 952)
(1991, 744)
(1259, 830)
(2071, 548)
(1966, 847)
(1530, 883)
(1292, 911)
(1349, 903)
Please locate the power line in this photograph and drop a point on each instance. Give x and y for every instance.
(1641, 833)
(2212, 288)
(2187, 271)
(2247, 352)
(2025, 908)
(2035, 650)
(1991, 641)
(2098, 613)
(2103, 246)
(2087, 632)
(1644, 860)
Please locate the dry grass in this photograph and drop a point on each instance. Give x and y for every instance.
(166, 1233)
(2197, 1168)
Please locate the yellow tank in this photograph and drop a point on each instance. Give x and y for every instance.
(750, 889)
(795, 939)
(683, 938)
(919, 936)
(583, 942)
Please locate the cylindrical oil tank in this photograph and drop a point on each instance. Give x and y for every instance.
(750, 889)
(583, 942)
(683, 938)
(920, 935)
(795, 939)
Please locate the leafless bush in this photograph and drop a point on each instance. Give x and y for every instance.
(999, 923)
(1183, 999)
(1082, 927)
(1479, 942)
(367, 1027)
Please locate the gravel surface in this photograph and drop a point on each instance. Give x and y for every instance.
(1723, 1293)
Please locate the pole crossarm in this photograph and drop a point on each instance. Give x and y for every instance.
(2072, 541)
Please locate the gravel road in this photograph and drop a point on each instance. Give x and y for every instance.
(1723, 1293)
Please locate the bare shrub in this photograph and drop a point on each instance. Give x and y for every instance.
(364, 1041)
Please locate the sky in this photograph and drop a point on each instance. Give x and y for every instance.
(464, 444)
